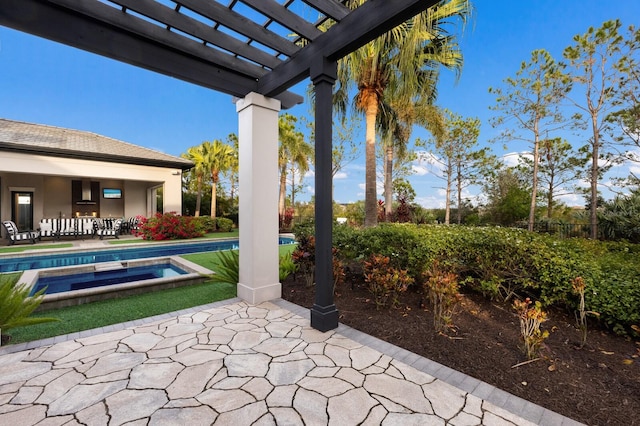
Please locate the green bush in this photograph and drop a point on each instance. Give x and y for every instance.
(223, 224)
(205, 224)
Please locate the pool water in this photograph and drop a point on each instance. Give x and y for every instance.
(62, 283)
(24, 263)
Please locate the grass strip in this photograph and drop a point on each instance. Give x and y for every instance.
(18, 249)
(215, 235)
(107, 312)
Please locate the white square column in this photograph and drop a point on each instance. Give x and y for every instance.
(258, 189)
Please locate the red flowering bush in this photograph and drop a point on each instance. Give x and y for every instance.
(168, 226)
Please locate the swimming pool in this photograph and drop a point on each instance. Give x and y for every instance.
(25, 263)
(100, 278)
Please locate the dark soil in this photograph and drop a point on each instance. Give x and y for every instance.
(597, 385)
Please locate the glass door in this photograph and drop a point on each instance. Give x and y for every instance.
(22, 210)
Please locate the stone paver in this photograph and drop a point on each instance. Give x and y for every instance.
(239, 364)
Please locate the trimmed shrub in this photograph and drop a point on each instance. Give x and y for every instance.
(223, 224)
(168, 226)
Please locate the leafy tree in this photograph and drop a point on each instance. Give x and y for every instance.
(508, 198)
(197, 173)
(218, 158)
(293, 150)
(626, 120)
(461, 164)
(596, 61)
(403, 54)
(559, 165)
(531, 101)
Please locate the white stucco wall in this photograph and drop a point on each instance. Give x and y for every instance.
(49, 175)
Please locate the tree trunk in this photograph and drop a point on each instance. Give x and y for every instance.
(534, 190)
(459, 183)
(214, 189)
(594, 179)
(198, 196)
(282, 192)
(447, 203)
(388, 182)
(370, 195)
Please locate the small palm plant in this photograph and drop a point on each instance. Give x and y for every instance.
(16, 305)
(228, 267)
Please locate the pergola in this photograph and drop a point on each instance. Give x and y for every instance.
(254, 50)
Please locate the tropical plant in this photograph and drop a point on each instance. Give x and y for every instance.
(407, 59)
(16, 305)
(442, 288)
(286, 267)
(620, 218)
(530, 319)
(384, 281)
(227, 269)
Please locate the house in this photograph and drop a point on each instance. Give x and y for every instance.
(51, 172)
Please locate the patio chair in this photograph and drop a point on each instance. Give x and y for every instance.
(109, 228)
(13, 234)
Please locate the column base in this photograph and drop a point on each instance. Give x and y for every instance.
(324, 318)
(255, 296)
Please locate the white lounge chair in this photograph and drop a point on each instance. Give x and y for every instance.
(13, 234)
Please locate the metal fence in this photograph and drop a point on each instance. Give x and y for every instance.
(561, 230)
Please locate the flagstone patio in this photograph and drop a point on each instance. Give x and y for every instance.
(234, 363)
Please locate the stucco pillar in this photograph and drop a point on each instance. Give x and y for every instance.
(258, 189)
(324, 315)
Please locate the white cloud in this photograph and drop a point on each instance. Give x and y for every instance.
(431, 202)
(311, 189)
(511, 159)
(419, 169)
(340, 175)
(310, 174)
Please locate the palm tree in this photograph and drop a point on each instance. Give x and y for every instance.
(293, 150)
(406, 58)
(218, 158)
(234, 168)
(196, 155)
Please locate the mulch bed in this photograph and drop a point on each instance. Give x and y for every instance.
(597, 385)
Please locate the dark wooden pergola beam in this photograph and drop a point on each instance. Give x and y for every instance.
(47, 20)
(188, 25)
(367, 22)
(284, 17)
(240, 24)
(332, 9)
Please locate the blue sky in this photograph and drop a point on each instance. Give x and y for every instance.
(49, 83)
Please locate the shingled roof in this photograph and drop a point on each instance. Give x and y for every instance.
(18, 136)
